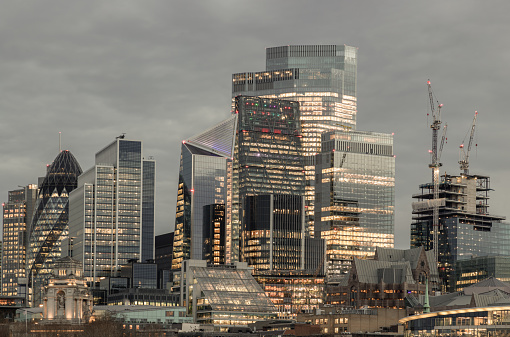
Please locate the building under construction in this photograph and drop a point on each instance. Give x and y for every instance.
(466, 228)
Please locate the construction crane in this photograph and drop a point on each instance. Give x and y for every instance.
(464, 154)
(435, 165)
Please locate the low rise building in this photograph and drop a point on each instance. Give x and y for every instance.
(335, 321)
(385, 281)
(224, 296)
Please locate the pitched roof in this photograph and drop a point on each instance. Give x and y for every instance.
(373, 271)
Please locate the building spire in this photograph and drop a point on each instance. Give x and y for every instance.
(426, 305)
(59, 142)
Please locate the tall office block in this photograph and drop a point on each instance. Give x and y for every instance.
(17, 214)
(267, 155)
(323, 79)
(354, 196)
(466, 228)
(273, 232)
(214, 234)
(50, 222)
(205, 159)
(107, 224)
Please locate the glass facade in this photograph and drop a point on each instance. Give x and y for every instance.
(267, 155)
(214, 234)
(292, 292)
(466, 229)
(224, 296)
(355, 196)
(273, 232)
(17, 213)
(50, 223)
(106, 221)
(479, 322)
(148, 208)
(323, 79)
(202, 181)
(477, 269)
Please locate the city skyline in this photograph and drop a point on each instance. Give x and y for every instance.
(135, 69)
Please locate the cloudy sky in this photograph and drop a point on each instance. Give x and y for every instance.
(160, 71)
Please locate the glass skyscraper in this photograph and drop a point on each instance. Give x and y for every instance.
(205, 159)
(50, 222)
(322, 78)
(107, 225)
(354, 196)
(267, 155)
(17, 214)
(466, 228)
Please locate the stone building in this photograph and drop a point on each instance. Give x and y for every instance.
(67, 298)
(385, 281)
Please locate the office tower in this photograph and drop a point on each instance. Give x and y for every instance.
(148, 208)
(107, 224)
(205, 159)
(214, 233)
(466, 229)
(164, 248)
(322, 78)
(354, 196)
(17, 213)
(273, 232)
(50, 222)
(267, 155)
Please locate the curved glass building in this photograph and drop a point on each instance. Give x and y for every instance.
(50, 220)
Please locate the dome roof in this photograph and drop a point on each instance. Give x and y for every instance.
(62, 173)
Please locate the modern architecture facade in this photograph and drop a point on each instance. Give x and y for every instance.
(354, 196)
(214, 231)
(273, 232)
(17, 214)
(477, 269)
(107, 224)
(323, 79)
(205, 159)
(466, 228)
(50, 223)
(267, 156)
(224, 296)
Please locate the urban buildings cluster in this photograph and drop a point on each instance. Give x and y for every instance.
(283, 209)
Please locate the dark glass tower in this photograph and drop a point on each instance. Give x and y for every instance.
(267, 155)
(273, 232)
(466, 228)
(50, 224)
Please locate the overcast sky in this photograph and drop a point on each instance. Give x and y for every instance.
(160, 71)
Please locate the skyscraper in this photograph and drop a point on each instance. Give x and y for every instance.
(17, 214)
(205, 159)
(466, 228)
(354, 196)
(267, 155)
(50, 222)
(107, 221)
(323, 79)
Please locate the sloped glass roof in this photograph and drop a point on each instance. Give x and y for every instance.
(232, 290)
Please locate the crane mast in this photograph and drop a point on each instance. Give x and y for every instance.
(464, 161)
(434, 165)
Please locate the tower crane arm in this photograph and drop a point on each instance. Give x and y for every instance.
(443, 139)
(464, 161)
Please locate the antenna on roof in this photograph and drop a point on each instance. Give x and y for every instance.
(59, 142)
